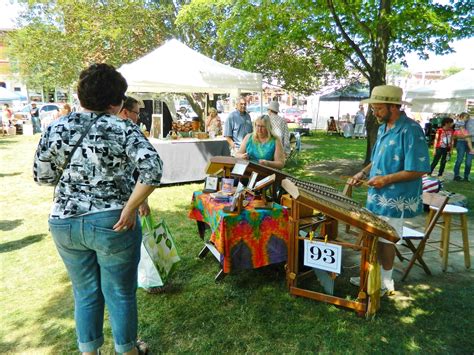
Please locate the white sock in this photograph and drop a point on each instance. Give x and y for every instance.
(387, 281)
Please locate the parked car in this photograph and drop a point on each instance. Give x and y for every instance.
(255, 111)
(292, 115)
(44, 110)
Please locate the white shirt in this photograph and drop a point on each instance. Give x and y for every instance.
(280, 129)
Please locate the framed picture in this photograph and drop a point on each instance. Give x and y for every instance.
(239, 167)
(265, 182)
(252, 180)
(211, 183)
(227, 185)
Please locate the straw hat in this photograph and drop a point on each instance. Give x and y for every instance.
(386, 94)
(274, 106)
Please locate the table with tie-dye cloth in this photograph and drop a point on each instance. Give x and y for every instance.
(249, 240)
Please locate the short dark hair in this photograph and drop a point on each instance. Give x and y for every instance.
(128, 103)
(446, 120)
(100, 86)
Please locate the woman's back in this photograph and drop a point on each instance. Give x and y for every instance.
(99, 175)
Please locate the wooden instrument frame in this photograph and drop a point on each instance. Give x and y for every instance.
(293, 275)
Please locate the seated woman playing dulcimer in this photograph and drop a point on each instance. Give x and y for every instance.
(262, 146)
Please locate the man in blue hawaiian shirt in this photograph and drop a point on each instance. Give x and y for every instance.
(399, 159)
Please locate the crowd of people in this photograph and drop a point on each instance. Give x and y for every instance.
(101, 193)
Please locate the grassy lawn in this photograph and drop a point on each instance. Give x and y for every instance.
(248, 312)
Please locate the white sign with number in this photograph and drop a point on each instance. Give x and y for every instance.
(324, 256)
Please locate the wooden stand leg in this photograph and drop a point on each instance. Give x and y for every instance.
(465, 241)
(445, 240)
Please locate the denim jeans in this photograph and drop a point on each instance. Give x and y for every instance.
(463, 151)
(102, 265)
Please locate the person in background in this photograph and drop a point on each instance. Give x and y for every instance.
(399, 159)
(359, 123)
(262, 146)
(443, 144)
(237, 126)
(35, 120)
(93, 220)
(279, 126)
(130, 110)
(7, 115)
(464, 146)
(213, 123)
(332, 126)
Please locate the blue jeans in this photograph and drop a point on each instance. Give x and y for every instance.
(462, 151)
(35, 121)
(102, 265)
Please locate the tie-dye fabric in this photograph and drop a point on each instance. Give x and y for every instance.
(249, 240)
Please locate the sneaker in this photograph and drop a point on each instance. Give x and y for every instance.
(457, 178)
(355, 281)
(466, 179)
(142, 347)
(156, 290)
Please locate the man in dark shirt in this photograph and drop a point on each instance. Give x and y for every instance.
(35, 120)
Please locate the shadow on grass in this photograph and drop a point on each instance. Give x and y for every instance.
(8, 225)
(5, 141)
(10, 174)
(18, 244)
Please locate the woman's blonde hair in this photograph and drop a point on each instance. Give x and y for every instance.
(212, 110)
(266, 121)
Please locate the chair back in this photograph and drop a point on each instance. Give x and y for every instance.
(434, 200)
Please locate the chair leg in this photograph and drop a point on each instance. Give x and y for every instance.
(445, 240)
(417, 256)
(465, 241)
(399, 255)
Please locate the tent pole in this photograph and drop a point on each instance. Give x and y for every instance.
(317, 112)
(339, 110)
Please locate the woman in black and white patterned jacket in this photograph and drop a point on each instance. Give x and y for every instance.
(94, 218)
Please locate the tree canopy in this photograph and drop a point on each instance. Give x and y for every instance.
(56, 40)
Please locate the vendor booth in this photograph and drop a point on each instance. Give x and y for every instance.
(176, 68)
(446, 96)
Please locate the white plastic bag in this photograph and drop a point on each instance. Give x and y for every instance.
(148, 275)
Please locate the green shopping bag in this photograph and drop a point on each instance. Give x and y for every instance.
(160, 246)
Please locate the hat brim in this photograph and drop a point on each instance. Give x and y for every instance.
(375, 101)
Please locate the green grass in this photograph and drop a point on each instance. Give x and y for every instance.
(248, 312)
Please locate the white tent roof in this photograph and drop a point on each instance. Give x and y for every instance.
(448, 95)
(174, 67)
(6, 95)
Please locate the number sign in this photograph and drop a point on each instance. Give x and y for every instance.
(324, 256)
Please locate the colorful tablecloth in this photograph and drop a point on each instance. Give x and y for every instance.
(251, 239)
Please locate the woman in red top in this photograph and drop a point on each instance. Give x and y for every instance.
(443, 144)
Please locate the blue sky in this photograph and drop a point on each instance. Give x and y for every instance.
(464, 56)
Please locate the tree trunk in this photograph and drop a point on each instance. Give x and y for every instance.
(378, 70)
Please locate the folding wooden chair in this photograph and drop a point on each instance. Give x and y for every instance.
(295, 146)
(410, 235)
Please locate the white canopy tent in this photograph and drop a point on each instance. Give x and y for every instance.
(174, 67)
(447, 96)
